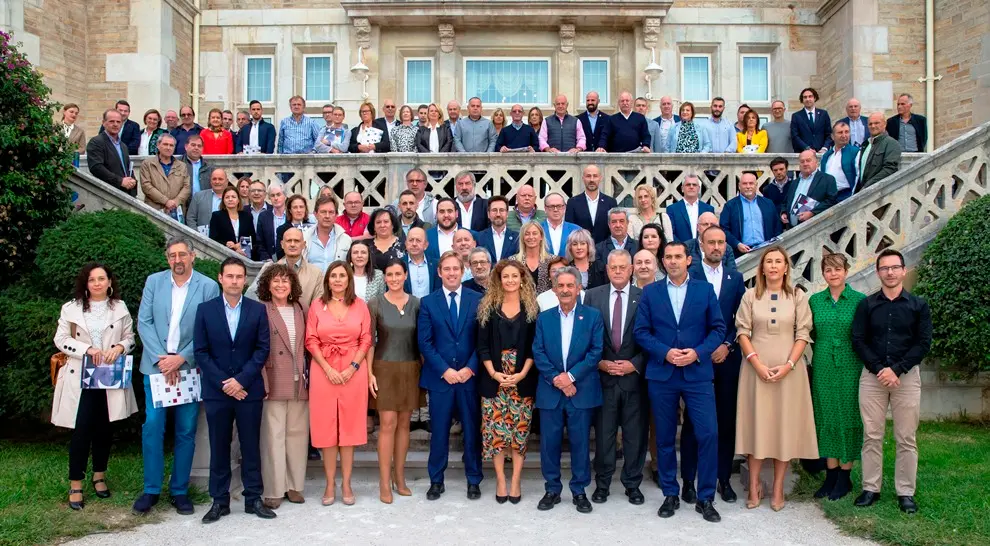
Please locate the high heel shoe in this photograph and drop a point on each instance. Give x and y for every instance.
(759, 499)
(385, 497)
(328, 501)
(403, 491)
(778, 507)
(349, 500)
(105, 494)
(515, 500)
(501, 498)
(73, 504)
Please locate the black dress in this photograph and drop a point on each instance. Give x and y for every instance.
(395, 252)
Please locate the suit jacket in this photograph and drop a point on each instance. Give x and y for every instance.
(104, 163)
(603, 248)
(265, 234)
(577, 212)
(205, 170)
(731, 220)
(700, 327)
(384, 145)
(222, 231)
(286, 360)
(884, 160)
(479, 215)
(694, 250)
(435, 283)
(583, 355)
(862, 121)
(158, 188)
(849, 167)
(77, 137)
(155, 314)
(266, 138)
(805, 137)
(220, 357)
(130, 134)
(680, 222)
(565, 232)
(598, 298)
(445, 345)
(433, 244)
(510, 245)
(729, 296)
(920, 129)
(822, 189)
(444, 137)
(593, 138)
(200, 208)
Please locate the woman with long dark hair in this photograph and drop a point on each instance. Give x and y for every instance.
(386, 245)
(652, 239)
(369, 282)
(233, 226)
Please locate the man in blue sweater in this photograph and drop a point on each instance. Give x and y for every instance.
(626, 131)
(517, 134)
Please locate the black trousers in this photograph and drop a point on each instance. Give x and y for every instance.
(221, 416)
(630, 411)
(726, 394)
(92, 432)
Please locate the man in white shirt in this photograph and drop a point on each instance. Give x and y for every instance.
(256, 200)
(472, 211)
(326, 241)
(840, 161)
(557, 230)
(441, 236)
(666, 120)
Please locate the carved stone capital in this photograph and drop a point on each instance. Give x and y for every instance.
(362, 32)
(566, 38)
(651, 31)
(446, 32)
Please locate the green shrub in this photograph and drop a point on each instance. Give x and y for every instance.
(35, 162)
(954, 278)
(28, 323)
(210, 268)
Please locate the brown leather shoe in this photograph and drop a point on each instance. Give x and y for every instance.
(295, 497)
(273, 503)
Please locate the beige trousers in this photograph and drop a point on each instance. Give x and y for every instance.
(284, 446)
(905, 407)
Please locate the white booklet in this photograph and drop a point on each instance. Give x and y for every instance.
(188, 389)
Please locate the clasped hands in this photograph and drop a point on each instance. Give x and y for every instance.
(169, 366)
(563, 382)
(507, 380)
(772, 375)
(234, 389)
(682, 357)
(616, 367)
(888, 378)
(106, 357)
(339, 378)
(453, 377)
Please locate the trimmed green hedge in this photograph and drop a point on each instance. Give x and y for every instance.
(953, 276)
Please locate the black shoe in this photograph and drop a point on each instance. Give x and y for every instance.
(182, 504)
(670, 504)
(600, 495)
(436, 489)
(707, 510)
(843, 486)
(831, 475)
(581, 501)
(259, 509)
(515, 500)
(655, 474)
(688, 493)
(501, 499)
(907, 504)
(144, 503)
(728, 494)
(105, 494)
(425, 425)
(548, 501)
(76, 505)
(314, 454)
(216, 512)
(474, 491)
(867, 498)
(635, 496)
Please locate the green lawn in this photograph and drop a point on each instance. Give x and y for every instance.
(34, 492)
(952, 495)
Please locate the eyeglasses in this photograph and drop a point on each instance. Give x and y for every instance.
(186, 115)
(554, 207)
(477, 263)
(890, 269)
(389, 107)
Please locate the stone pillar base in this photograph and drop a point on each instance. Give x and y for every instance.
(200, 475)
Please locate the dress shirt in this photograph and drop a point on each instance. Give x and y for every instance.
(194, 167)
(178, 302)
(255, 213)
(217, 201)
(434, 140)
(297, 137)
(253, 136)
(445, 241)
(419, 278)
(592, 205)
(145, 141)
(279, 220)
(665, 125)
(466, 212)
(467, 275)
(617, 244)
(677, 293)
(120, 152)
(714, 276)
(556, 234)
(857, 133)
(752, 233)
(722, 135)
(475, 135)
(692, 213)
(593, 120)
(834, 168)
(233, 315)
(566, 332)
(907, 136)
(498, 239)
(613, 293)
(892, 333)
(803, 185)
(319, 254)
(811, 116)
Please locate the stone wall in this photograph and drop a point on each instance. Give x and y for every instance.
(62, 39)
(180, 73)
(904, 61)
(962, 57)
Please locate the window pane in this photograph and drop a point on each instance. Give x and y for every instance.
(696, 84)
(419, 82)
(318, 78)
(509, 82)
(755, 72)
(259, 79)
(595, 78)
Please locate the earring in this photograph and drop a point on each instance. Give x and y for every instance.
(87, 293)
(110, 292)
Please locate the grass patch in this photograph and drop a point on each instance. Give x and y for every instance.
(34, 494)
(954, 507)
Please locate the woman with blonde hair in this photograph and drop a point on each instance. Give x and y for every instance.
(775, 418)
(580, 253)
(533, 253)
(506, 330)
(648, 213)
(434, 136)
(498, 120)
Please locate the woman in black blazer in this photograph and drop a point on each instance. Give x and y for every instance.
(434, 123)
(368, 121)
(231, 224)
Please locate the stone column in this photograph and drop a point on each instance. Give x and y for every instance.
(446, 66)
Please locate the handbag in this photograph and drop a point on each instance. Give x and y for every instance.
(60, 359)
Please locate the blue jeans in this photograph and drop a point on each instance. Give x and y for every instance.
(152, 444)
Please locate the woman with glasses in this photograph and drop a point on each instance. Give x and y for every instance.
(371, 135)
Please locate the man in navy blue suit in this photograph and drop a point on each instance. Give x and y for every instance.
(590, 209)
(593, 121)
(679, 324)
(749, 219)
(447, 326)
(423, 278)
(258, 135)
(566, 352)
(811, 128)
(684, 213)
(269, 220)
(500, 241)
(729, 289)
(231, 342)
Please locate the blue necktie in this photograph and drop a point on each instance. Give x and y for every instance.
(453, 308)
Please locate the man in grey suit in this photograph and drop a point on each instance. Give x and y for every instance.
(624, 398)
(206, 202)
(165, 324)
(475, 133)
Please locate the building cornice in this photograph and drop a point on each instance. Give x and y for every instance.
(828, 9)
(583, 13)
(185, 8)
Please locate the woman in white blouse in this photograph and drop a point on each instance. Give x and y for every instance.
(369, 282)
(435, 135)
(95, 323)
(648, 213)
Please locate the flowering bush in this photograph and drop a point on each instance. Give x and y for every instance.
(35, 162)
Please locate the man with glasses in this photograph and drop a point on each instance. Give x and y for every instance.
(426, 205)
(258, 137)
(187, 127)
(480, 262)
(778, 130)
(554, 227)
(270, 220)
(388, 116)
(256, 200)
(684, 214)
(335, 137)
(891, 333)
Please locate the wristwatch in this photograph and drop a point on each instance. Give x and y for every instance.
(356, 365)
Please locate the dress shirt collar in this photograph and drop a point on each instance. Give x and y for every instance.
(177, 285)
(716, 270)
(240, 300)
(670, 282)
(564, 314)
(613, 289)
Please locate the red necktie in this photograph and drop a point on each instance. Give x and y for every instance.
(617, 321)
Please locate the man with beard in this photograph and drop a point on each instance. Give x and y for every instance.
(721, 132)
(590, 210)
(441, 236)
(472, 211)
(408, 218)
(500, 241)
(426, 204)
(592, 121)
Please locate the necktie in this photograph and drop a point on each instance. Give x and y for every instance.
(453, 308)
(617, 321)
(811, 117)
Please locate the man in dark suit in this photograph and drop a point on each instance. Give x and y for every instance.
(880, 155)
(269, 220)
(811, 183)
(590, 209)
(422, 279)
(618, 227)
(500, 241)
(447, 326)
(705, 221)
(441, 236)
(109, 157)
(407, 214)
(776, 187)
(684, 214)
(858, 130)
(472, 211)
(258, 135)
(593, 121)
(679, 325)
(626, 131)
(749, 219)
(811, 128)
(231, 345)
(566, 352)
(729, 289)
(624, 401)
(130, 131)
(906, 128)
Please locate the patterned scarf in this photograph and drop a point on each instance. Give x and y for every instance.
(687, 139)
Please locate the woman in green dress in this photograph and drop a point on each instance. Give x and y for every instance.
(836, 370)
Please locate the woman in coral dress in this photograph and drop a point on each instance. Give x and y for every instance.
(338, 336)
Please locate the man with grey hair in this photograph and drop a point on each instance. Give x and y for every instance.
(778, 130)
(474, 133)
(618, 227)
(480, 262)
(165, 323)
(684, 213)
(910, 130)
(666, 120)
(109, 157)
(472, 211)
(270, 220)
(426, 206)
(858, 130)
(165, 182)
(555, 229)
(880, 155)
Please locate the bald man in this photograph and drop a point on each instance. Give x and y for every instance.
(748, 219)
(205, 202)
(705, 221)
(626, 130)
(880, 155)
(812, 193)
(592, 121)
(561, 132)
(590, 209)
(422, 278)
(463, 245)
(666, 119)
(858, 130)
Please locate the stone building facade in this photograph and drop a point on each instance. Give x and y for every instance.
(93, 52)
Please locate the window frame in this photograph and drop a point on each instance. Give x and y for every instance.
(271, 83)
(711, 79)
(548, 60)
(742, 79)
(607, 99)
(405, 80)
(304, 94)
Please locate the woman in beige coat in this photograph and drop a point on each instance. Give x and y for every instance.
(96, 322)
(164, 179)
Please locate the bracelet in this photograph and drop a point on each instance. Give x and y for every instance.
(355, 365)
(750, 355)
(790, 363)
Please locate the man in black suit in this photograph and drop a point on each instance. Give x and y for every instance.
(130, 131)
(618, 227)
(109, 157)
(592, 122)
(472, 211)
(624, 399)
(590, 209)
(269, 220)
(817, 187)
(258, 135)
(811, 128)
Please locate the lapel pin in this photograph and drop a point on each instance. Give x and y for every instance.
(580, 317)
